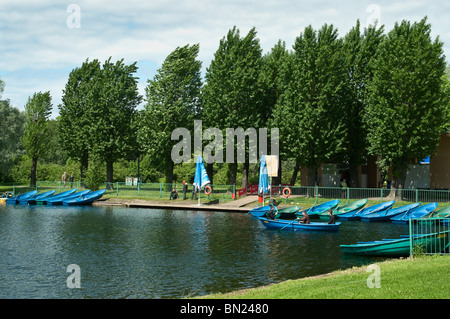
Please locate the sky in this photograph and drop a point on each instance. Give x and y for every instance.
(41, 42)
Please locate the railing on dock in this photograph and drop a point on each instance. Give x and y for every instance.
(429, 236)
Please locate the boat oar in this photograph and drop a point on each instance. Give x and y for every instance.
(361, 209)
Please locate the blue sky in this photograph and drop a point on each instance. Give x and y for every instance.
(42, 41)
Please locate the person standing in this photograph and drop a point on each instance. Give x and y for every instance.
(64, 179)
(71, 180)
(185, 190)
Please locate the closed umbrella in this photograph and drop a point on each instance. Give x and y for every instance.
(201, 178)
(264, 184)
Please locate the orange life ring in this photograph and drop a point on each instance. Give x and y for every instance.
(288, 192)
(209, 190)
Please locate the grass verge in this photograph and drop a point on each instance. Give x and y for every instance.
(412, 278)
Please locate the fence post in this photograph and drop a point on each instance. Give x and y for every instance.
(381, 190)
(139, 189)
(59, 186)
(348, 194)
(14, 190)
(417, 195)
(410, 238)
(160, 190)
(117, 183)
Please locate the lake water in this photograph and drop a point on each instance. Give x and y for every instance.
(153, 253)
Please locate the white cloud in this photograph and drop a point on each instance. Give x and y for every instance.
(38, 49)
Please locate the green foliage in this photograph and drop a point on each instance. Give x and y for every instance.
(309, 113)
(172, 102)
(233, 92)
(359, 50)
(405, 112)
(11, 128)
(95, 176)
(36, 133)
(99, 103)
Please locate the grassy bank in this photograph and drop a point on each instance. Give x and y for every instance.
(418, 278)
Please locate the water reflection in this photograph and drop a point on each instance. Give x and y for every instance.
(151, 253)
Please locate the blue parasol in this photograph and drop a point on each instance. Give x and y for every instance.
(264, 184)
(201, 177)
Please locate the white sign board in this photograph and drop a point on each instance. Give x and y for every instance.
(272, 165)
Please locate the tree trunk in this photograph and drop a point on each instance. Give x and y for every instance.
(33, 172)
(295, 172)
(232, 171)
(169, 175)
(245, 173)
(398, 182)
(354, 180)
(312, 179)
(210, 172)
(109, 174)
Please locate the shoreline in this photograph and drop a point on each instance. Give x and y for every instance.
(238, 206)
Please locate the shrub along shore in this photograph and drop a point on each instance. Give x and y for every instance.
(423, 277)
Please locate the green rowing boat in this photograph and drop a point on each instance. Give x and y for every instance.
(287, 212)
(435, 242)
(344, 209)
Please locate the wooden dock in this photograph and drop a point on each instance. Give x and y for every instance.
(238, 205)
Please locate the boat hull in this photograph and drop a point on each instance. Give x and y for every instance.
(315, 211)
(388, 214)
(358, 215)
(260, 211)
(21, 199)
(61, 199)
(296, 226)
(85, 199)
(287, 212)
(416, 213)
(397, 247)
(352, 207)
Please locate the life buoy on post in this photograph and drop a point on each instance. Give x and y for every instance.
(286, 195)
(208, 190)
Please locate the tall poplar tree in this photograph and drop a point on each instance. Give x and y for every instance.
(359, 50)
(406, 105)
(173, 100)
(37, 112)
(96, 116)
(232, 94)
(79, 96)
(309, 114)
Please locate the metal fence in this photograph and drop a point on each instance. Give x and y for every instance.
(229, 192)
(380, 194)
(429, 236)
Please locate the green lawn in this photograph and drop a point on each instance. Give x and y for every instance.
(412, 278)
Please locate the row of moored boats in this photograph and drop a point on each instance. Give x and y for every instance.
(286, 219)
(66, 198)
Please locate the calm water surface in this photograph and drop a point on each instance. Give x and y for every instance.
(153, 253)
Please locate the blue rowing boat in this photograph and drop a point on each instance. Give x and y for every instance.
(85, 199)
(55, 196)
(367, 211)
(415, 213)
(21, 198)
(386, 215)
(59, 200)
(282, 224)
(40, 196)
